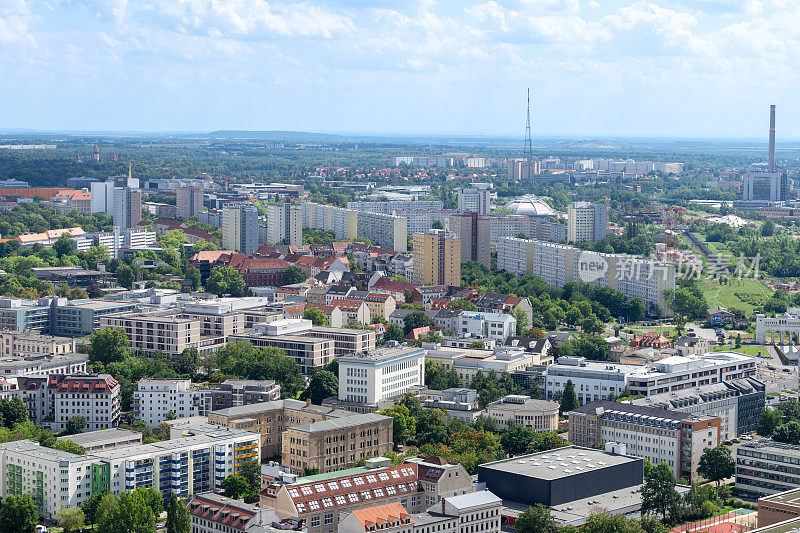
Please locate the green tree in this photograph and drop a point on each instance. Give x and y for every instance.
(66, 445)
(788, 433)
(414, 320)
(592, 325)
(294, 274)
(536, 519)
(193, 275)
(153, 499)
(548, 440)
(108, 345)
(178, 520)
(606, 523)
(126, 276)
(251, 472)
(126, 513)
(658, 492)
(235, 486)
(65, 245)
(75, 425)
(13, 411)
(404, 424)
(70, 518)
(226, 280)
(462, 304)
(394, 333)
(522, 320)
(716, 464)
(768, 229)
(516, 439)
(323, 385)
(437, 224)
(18, 514)
(569, 399)
(316, 316)
(90, 507)
(768, 422)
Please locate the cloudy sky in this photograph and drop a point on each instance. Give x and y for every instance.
(692, 68)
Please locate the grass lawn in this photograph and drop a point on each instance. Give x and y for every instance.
(730, 295)
(747, 349)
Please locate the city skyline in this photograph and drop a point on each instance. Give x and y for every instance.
(705, 69)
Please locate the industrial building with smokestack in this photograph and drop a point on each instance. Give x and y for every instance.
(765, 189)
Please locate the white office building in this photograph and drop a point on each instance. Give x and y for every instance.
(595, 380)
(240, 227)
(155, 399)
(586, 222)
(558, 264)
(381, 374)
(475, 200)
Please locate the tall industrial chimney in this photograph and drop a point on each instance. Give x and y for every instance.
(772, 138)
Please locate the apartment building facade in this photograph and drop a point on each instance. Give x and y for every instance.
(188, 201)
(437, 258)
(170, 334)
(765, 467)
(658, 435)
(331, 445)
(586, 222)
(558, 264)
(22, 343)
(307, 351)
(156, 400)
(381, 374)
(95, 398)
(240, 227)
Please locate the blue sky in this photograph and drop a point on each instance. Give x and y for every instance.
(702, 68)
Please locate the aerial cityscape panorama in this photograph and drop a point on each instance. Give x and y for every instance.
(414, 266)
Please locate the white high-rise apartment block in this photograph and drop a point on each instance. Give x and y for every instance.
(558, 264)
(475, 200)
(389, 231)
(154, 399)
(388, 208)
(240, 228)
(189, 201)
(285, 224)
(127, 207)
(586, 222)
(102, 200)
(380, 375)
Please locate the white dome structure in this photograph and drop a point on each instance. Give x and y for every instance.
(530, 205)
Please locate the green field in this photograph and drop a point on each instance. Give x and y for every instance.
(746, 349)
(730, 295)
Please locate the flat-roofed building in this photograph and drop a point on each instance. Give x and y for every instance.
(31, 344)
(271, 419)
(155, 400)
(778, 508)
(658, 435)
(78, 318)
(70, 363)
(330, 445)
(169, 334)
(538, 415)
(235, 392)
(381, 374)
(105, 439)
(765, 467)
(307, 351)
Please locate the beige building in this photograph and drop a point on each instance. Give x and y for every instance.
(658, 435)
(31, 344)
(189, 202)
(334, 444)
(152, 333)
(381, 305)
(538, 415)
(437, 258)
(346, 341)
(308, 351)
(324, 500)
(271, 419)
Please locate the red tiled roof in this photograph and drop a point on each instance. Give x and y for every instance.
(210, 256)
(90, 384)
(388, 284)
(381, 514)
(226, 514)
(347, 305)
(200, 234)
(353, 489)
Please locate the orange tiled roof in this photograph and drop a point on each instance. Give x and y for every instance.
(381, 514)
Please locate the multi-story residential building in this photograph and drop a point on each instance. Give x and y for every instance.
(475, 246)
(17, 314)
(381, 374)
(346, 341)
(475, 200)
(691, 344)
(168, 334)
(387, 208)
(189, 202)
(240, 227)
(538, 415)
(765, 467)
(596, 380)
(381, 305)
(236, 392)
(467, 513)
(182, 466)
(214, 513)
(658, 435)
(78, 318)
(323, 500)
(127, 207)
(334, 444)
(272, 419)
(285, 224)
(341, 221)
(68, 363)
(353, 311)
(437, 258)
(156, 400)
(558, 264)
(117, 240)
(22, 343)
(307, 351)
(95, 398)
(586, 222)
(738, 403)
(496, 326)
(386, 230)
